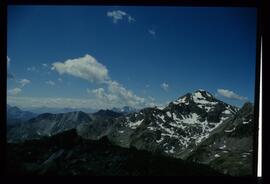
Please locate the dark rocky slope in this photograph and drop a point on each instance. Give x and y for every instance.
(68, 154)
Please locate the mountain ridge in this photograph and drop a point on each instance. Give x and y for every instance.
(180, 130)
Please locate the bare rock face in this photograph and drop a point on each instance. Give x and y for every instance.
(230, 149)
(175, 130)
(47, 124)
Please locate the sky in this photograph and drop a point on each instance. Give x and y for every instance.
(111, 56)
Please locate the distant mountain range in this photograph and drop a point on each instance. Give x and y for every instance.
(16, 116)
(196, 127)
(41, 110)
(125, 110)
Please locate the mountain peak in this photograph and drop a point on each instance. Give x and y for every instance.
(203, 93)
(198, 96)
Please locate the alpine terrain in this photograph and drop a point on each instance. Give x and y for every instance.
(195, 128)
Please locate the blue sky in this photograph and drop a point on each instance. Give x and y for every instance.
(110, 56)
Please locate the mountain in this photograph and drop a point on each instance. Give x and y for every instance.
(107, 113)
(175, 130)
(196, 127)
(100, 126)
(42, 110)
(47, 124)
(230, 148)
(124, 110)
(68, 154)
(15, 115)
(92, 126)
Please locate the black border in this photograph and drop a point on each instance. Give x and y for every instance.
(201, 3)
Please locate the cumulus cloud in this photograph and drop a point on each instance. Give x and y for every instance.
(230, 94)
(90, 69)
(24, 82)
(117, 95)
(86, 67)
(152, 32)
(102, 96)
(125, 95)
(14, 91)
(50, 83)
(117, 15)
(164, 86)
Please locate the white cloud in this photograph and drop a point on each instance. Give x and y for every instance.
(126, 96)
(24, 82)
(14, 91)
(32, 69)
(117, 96)
(8, 61)
(131, 19)
(86, 67)
(103, 97)
(164, 86)
(230, 94)
(90, 69)
(59, 79)
(151, 98)
(44, 65)
(152, 32)
(50, 83)
(117, 15)
(9, 75)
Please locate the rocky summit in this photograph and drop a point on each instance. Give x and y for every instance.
(174, 130)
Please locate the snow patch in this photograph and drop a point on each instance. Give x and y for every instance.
(134, 125)
(151, 128)
(182, 100)
(160, 140)
(222, 147)
(227, 112)
(192, 120)
(161, 117)
(227, 131)
(169, 114)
